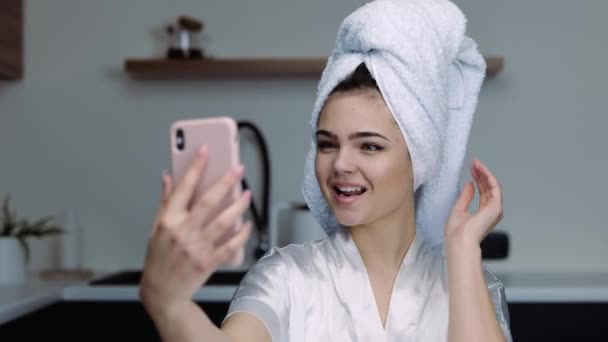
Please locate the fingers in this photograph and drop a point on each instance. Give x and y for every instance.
(465, 198)
(167, 184)
(207, 257)
(227, 219)
(188, 184)
(489, 179)
(203, 236)
(208, 202)
(490, 195)
(488, 185)
(478, 176)
(231, 247)
(167, 189)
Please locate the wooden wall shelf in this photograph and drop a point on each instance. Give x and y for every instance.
(227, 67)
(11, 39)
(311, 67)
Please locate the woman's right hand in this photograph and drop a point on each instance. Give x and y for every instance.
(182, 252)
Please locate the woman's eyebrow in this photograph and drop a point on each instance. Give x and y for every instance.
(325, 133)
(353, 136)
(360, 135)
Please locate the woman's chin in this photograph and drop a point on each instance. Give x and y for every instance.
(348, 220)
(346, 215)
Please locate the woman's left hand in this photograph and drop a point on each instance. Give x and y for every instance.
(466, 228)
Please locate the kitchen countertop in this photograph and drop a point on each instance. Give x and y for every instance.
(207, 293)
(16, 301)
(555, 287)
(19, 300)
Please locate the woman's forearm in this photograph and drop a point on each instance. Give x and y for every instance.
(472, 316)
(185, 324)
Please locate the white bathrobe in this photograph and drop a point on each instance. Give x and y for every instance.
(320, 291)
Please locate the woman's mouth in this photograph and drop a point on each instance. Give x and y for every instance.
(347, 194)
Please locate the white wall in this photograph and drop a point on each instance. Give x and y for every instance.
(79, 133)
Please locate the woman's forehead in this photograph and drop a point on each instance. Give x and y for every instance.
(356, 110)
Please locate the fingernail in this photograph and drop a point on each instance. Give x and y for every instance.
(202, 151)
(247, 193)
(238, 170)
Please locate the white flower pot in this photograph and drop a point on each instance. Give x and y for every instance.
(12, 261)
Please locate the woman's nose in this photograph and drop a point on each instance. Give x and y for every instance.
(344, 162)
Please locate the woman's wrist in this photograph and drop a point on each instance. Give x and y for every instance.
(185, 321)
(162, 310)
(464, 250)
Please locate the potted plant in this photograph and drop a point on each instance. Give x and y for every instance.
(14, 248)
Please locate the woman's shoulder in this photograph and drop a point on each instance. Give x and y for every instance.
(296, 257)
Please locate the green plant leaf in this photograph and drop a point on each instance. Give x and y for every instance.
(23, 225)
(10, 225)
(7, 217)
(41, 223)
(52, 231)
(38, 233)
(26, 248)
(13, 223)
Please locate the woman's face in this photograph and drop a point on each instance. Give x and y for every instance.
(362, 163)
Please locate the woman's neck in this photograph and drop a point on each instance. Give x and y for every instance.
(384, 243)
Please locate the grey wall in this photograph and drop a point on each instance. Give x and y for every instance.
(78, 133)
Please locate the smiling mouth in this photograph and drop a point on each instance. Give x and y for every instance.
(349, 191)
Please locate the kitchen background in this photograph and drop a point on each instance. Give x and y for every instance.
(78, 132)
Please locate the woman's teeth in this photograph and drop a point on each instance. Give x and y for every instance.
(350, 190)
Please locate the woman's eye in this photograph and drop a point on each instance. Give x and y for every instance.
(325, 145)
(371, 147)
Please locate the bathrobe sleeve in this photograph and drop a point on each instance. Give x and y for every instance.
(501, 309)
(264, 293)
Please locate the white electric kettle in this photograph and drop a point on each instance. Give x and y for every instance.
(293, 223)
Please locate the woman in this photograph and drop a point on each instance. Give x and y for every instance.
(371, 181)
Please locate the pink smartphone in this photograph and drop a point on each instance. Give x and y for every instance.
(220, 134)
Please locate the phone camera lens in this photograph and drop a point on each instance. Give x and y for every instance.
(180, 141)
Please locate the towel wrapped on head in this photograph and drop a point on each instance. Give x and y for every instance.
(429, 74)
